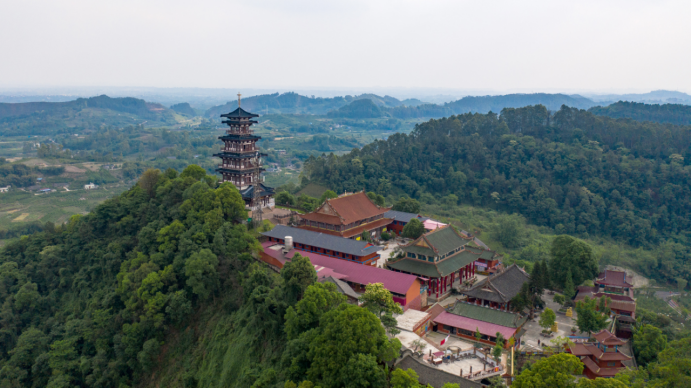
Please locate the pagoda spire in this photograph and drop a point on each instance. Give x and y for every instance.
(238, 99)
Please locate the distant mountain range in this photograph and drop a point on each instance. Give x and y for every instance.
(654, 97)
(293, 103)
(81, 114)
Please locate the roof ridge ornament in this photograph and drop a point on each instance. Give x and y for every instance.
(238, 99)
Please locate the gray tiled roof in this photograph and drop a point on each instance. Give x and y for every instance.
(325, 241)
(403, 216)
(502, 286)
(239, 113)
(488, 315)
(428, 375)
(342, 287)
(248, 192)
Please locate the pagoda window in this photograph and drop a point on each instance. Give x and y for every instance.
(420, 256)
(411, 255)
(431, 259)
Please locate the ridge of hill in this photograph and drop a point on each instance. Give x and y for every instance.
(660, 113)
(83, 113)
(473, 104)
(294, 103)
(653, 97)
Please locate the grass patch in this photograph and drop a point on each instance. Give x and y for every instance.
(313, 190)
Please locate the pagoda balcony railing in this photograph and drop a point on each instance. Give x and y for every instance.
(246, 167)
(239, 150)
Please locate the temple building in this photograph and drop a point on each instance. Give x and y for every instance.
(439, 258)
(405, 288)
(602, 358)
(619, 288)
(499, 289)
(464, 319)
(241, 159)
(347, 216)
(359, 251)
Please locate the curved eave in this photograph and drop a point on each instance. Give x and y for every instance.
(249, 154)
(239, 171)
(238, 122)
(239, 137)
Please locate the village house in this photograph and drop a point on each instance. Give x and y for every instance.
(405, 288)
(439, 258)
(602, 358)
(5, 189)
(464, 319)
(347, 216)
(90, 186)
(499, 289)
(326, 244)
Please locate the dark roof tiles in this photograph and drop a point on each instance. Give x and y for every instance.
(317, 239)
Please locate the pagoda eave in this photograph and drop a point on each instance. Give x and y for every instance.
(238, 170)
(239, 122)
(239, 137)
(234, 155)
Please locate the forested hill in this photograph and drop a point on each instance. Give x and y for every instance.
(158, 287)
(294, 103)
(473, 104)
(51, 118)
(665, 113)
(573, 171)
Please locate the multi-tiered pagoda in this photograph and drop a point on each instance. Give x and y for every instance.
(241, 159)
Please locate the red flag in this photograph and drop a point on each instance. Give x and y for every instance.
(444, 340)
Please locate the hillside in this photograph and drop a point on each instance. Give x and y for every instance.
(653, 97)
(665, 113)
(158, 287)
(51, 118)
(572, 171)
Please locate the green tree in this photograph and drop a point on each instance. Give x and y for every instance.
(547, 318)
(362, 371)
(284, 197)
(413, 229)
(509, 230)
(568, 288)
(318, 299)
(328, 194)
(573, 256)
(672, 369)
(194, 171)
(648, 342)
(376, 198)
(406, 204)
(404, 379)
(556, 371)
(345, 332)
(449, 384)
(378, 300)
(588, 318)
(298, 274)
(200, 270)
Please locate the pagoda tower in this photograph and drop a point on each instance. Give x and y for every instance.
(241, 162)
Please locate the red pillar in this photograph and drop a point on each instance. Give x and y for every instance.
(451, 283)
(437, 287)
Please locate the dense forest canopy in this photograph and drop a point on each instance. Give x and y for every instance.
(664, 113)
(165, 271)
(572, 171)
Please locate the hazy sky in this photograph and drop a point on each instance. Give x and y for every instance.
(609, 46)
